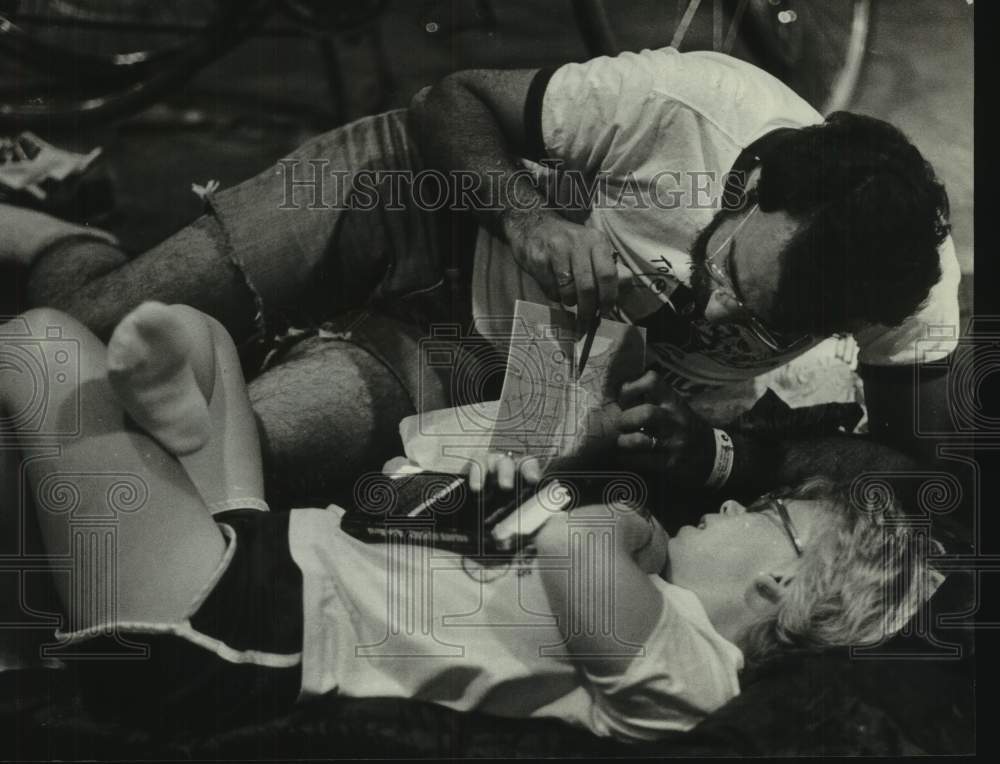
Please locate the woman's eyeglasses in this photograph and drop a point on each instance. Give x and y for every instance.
(766, 502)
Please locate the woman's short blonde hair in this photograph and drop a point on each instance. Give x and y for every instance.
(863, 574)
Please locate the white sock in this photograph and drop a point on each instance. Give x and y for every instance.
(25, 234)
(149, 367)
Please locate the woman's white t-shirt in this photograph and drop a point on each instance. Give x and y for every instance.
(404, 620)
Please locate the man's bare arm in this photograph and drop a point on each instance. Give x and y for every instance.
(473, 122)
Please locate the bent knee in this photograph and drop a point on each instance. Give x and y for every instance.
(46, 356)
(333, 399)
(47, 322)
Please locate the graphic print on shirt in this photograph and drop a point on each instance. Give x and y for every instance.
(685, 348)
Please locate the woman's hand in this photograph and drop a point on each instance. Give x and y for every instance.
(502, 469)
(652, 558)
(658, 431)
(637, 533)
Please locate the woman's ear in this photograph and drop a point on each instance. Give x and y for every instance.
(767, 590)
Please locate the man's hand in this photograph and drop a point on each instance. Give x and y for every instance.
(573, 264)
(659, 431)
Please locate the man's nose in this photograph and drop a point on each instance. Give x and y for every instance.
(722, 307)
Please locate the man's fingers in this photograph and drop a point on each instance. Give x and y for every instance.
(575, 261)
(563, 276)
(633, 441)
(546, 280)
(639, 388)
(586, 289)
(640, 441)
(605, 275)
(643, 415)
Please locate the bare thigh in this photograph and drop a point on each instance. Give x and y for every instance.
(98, 284)
(126, 533)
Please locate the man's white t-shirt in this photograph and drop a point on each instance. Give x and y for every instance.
(401, 620)
(676, 122)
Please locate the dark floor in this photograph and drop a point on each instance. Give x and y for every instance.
(266, 96)
(919, 76)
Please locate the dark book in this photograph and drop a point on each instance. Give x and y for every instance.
(440, 509)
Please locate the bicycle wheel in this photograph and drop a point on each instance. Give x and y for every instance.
(71, 62)
(119, 36)
(816, 46)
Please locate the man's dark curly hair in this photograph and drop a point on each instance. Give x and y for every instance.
(874, 212)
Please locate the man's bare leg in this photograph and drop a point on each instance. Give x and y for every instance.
(320, 418)
(337, 258)
(274, 242)
(99, 284)
(327, 415)
(348, 434)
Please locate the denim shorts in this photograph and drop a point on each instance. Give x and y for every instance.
(331, 253)
(321, 219)
(236, 659)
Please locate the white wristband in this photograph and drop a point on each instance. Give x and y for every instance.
(724, 457)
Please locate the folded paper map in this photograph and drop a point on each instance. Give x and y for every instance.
(543, 409)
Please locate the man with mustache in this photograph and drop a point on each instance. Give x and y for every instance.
(730, 220)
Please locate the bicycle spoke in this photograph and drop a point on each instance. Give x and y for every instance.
(682, 28)
(834, 37)
(828, 35)
(717, 17)
(816, 46)
(735, 26)
(825, 11)
(836, 29)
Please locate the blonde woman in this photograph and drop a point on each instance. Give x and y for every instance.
(195, 604)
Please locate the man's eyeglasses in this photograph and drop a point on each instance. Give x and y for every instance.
(719, 273)
(766, 502)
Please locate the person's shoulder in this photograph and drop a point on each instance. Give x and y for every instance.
(716, 85)
(636, 100)
(740, 98)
